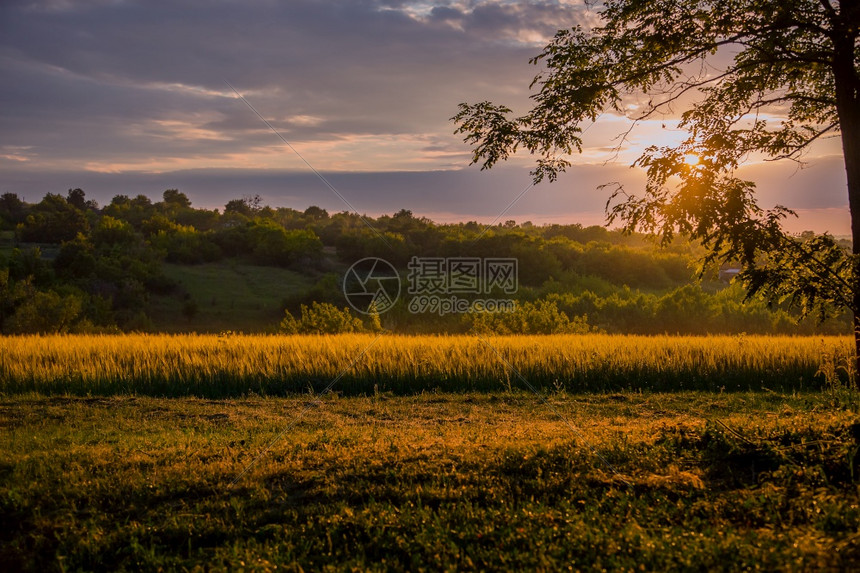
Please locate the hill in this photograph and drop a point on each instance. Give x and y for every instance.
(70, 265)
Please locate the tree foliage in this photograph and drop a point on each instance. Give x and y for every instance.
(45, 312)
(113, 268)
(757, 77)
(53, 220)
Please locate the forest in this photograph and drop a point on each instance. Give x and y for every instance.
(69, 265)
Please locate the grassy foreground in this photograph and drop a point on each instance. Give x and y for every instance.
(241, 365)
(431, 482)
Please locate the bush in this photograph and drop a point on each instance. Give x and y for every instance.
(541, 317)
(321, 318)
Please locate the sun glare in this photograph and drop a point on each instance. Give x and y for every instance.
(691, 159)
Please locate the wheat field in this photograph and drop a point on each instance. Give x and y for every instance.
(232, 365)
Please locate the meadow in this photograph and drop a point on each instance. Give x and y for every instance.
(435, 481)
(230, 365)
(185, 452)
(227, 295)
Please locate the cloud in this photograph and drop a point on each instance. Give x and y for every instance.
(96, 81)
(99, 90)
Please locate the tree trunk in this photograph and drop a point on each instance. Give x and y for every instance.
(851, 150)
(848, 108)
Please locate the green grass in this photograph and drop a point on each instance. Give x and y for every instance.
(229, 296)
(431, 482)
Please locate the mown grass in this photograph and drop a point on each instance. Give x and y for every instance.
(432, 482)
(241, 365)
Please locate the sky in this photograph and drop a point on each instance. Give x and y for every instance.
(125, 97)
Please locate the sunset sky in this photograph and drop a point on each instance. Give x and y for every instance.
(122, 97)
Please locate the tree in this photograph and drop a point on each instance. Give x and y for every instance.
(248, 205)
(76, 259)
(114, 233)
(175, 198)
(45, 312)
(271, 244)
(183, 244)
(134, 211)
(739, 62)
(77, 199)
(12, 209)
(315, 213)
(238, 207)
(53, 220)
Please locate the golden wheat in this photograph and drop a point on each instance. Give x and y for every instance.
(224, 365)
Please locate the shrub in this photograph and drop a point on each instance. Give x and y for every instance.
(321, 318)
(541, 317)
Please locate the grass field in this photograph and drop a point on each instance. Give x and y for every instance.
(229, 295)
(432, 453)
(237, 365)
(685, 481)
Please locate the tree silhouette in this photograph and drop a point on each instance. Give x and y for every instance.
(795, 60)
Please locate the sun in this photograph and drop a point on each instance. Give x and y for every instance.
(691, 159)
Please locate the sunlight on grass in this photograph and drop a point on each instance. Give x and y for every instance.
(446, 481)
(237, 365)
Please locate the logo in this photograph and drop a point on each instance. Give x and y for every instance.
(445, 285)
(462, 275)
(371, 285)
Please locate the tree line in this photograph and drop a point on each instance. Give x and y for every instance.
(70, 265)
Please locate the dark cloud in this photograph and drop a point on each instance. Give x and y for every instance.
(446, 14)
(361, 66)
